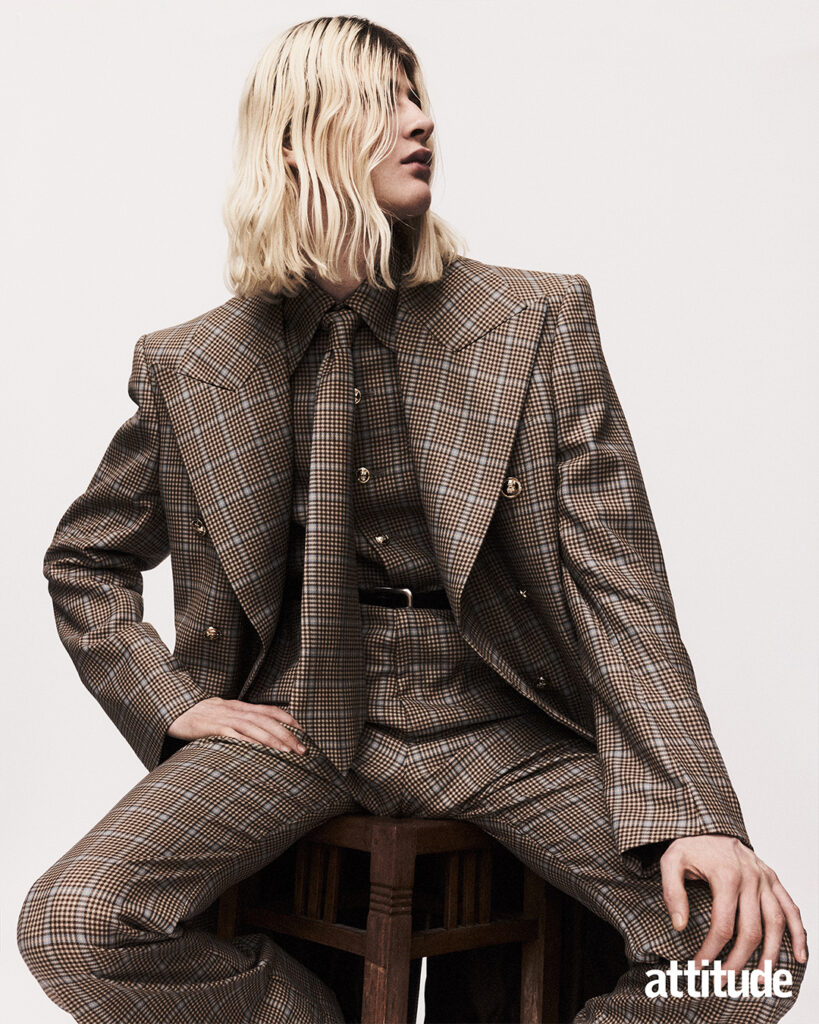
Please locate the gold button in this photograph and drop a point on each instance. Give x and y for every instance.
(357, 394)
(381, 538)
(363, 474)
(211, 632)
(199, 526)
(522, 593)
(512, 487)
(541, 680)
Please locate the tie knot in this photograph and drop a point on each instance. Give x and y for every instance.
(340, 319)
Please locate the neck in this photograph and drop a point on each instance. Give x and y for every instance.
(347, 285)
(338, 289)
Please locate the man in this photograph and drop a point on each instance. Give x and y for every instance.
(415, 571)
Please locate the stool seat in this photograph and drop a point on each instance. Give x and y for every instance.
(402, 913)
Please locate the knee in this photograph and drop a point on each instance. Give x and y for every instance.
(62, 922)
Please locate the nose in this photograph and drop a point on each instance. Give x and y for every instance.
(421, 126)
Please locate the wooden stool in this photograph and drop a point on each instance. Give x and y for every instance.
(456, 915)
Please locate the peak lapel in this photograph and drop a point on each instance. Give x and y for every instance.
(465, 348)
(229, 404)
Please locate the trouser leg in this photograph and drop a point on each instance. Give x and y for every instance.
(538, 789)
(103, 929)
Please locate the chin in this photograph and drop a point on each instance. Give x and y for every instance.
(416, 209)
(408, 205)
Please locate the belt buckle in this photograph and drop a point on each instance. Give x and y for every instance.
(400, 590)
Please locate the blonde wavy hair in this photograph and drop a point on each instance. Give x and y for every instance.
(326, 89)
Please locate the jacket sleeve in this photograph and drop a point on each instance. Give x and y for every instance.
(105, 540)
(664, 774)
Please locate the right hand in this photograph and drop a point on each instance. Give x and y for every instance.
(239, 718)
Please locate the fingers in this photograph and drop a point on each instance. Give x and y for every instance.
(764, 912)
(793, 918)
(749, 926)
(725, 892)
(217, 715)
(774, 919)
(262, 723)
(265, 723)
(275, 736)
(270, 710)
(674, 894)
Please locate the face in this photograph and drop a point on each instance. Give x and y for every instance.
(401, 180)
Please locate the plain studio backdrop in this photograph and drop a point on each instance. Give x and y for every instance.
(667, 152)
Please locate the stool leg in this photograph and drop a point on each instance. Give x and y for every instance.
(540, 957)
(389, 928)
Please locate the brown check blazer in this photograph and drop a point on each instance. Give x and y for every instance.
(542, 530)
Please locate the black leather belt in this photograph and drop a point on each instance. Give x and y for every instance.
(388, 597)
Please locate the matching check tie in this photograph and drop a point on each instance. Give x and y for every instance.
(328, 696)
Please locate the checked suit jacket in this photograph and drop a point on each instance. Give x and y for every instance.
(530, 483)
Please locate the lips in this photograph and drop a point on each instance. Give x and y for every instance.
(424, 170)
(420, 156)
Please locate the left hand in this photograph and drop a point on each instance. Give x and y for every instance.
(740, 883)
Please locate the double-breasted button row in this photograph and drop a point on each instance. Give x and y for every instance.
(212, 632)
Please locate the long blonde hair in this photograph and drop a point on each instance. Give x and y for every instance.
(326, 89)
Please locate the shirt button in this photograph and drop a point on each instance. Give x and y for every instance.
(522, 593)
(363, 474)
(357, 394)
(200, 527)
(381, 538)
(212, 633)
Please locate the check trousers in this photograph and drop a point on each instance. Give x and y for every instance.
(104, 929)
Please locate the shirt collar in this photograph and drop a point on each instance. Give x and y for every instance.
(302, 312)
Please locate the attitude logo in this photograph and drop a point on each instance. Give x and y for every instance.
(698, 983)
